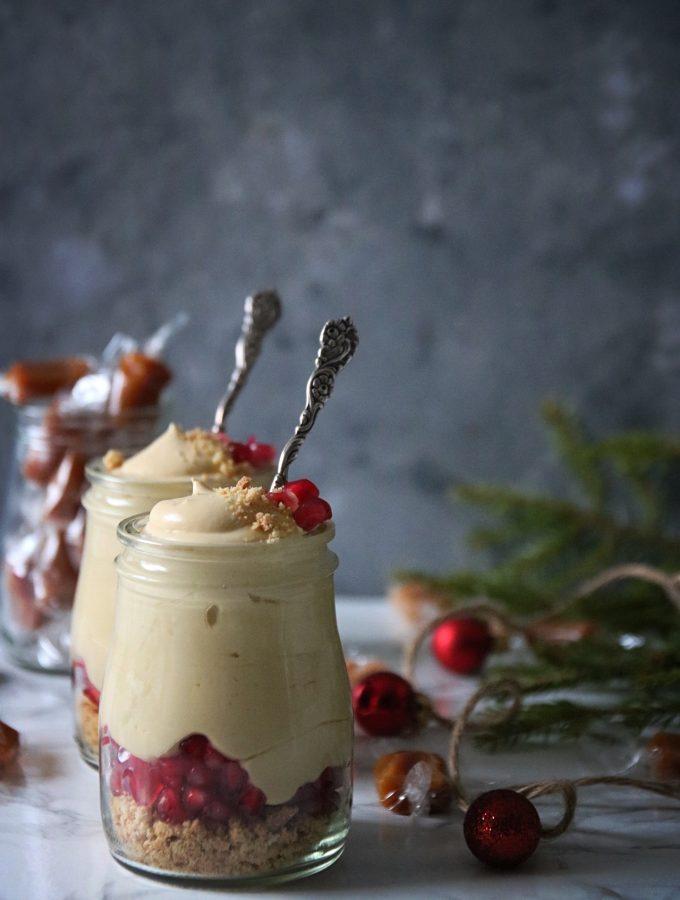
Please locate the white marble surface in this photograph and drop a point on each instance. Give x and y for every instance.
(623, 844)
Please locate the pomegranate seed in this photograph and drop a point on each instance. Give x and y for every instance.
(145, 782)
(261, 455)
(92, 695)
(308, 798)
(199, 775)
(169, 807)
(303, 488)
(284, 496)
(252, 800)
(217, 811)
(232, 778)
(240, 453)
(213, 758)
(116, 782)
(195, 745)
(312, 513)
(172, 770)
(195, 799)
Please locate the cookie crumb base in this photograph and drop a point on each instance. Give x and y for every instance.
(88, 729)
(281, 840)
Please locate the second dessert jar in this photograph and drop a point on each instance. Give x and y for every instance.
(125, 487)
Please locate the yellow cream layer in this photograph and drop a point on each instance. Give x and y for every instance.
(236, 642)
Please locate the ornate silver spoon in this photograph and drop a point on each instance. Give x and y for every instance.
(337, 344)
(261, 312)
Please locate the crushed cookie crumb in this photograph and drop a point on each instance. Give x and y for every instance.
(113, 459)
(281, 839)
(252, 506)
(88, 721)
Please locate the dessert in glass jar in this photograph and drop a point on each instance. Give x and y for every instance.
(68, 412)
(121, 488)
(226, 723)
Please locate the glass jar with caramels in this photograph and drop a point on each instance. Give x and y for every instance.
(44, 520)
(121, 488)
(226, 723)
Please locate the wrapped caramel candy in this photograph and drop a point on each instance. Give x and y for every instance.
(393, 771)
(137, 382)
(29, 380)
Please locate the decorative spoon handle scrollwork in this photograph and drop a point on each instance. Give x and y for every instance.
(261, 312)
(337, 344)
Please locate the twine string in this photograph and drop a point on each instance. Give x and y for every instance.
(508, 689)
(669, 584)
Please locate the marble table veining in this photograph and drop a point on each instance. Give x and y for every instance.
(623, 844)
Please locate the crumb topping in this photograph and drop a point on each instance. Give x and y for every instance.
(252, 505)
(113, 459)
(215, 452)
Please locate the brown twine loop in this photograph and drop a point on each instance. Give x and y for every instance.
(670, 584)
(502, 622)
(568, 789)
(499, 689)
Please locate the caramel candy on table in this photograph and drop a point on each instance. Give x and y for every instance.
(560, 631)
(32, 380)
(9, 744)
(664, 754)
(417, 602)
(390, 773)
(137, 382)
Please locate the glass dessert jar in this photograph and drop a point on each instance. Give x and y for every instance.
(226, 723)
(115, 494)
(44, 521)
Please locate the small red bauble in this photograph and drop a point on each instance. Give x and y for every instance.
(461, 644)
(384, 704)
(502, 828)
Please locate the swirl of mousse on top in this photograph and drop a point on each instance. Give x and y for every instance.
(229, 515)
(179, 454)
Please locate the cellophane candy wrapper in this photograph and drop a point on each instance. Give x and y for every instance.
(69, 410)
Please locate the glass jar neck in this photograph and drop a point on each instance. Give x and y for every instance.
(259, 563)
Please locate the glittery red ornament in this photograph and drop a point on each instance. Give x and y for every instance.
(461, 644)
(502, 828)
(384, 704)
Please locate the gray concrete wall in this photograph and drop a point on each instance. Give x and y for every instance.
(491, 189)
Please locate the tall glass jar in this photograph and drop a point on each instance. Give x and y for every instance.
(111, 498)
(226, 723)
(44, 521)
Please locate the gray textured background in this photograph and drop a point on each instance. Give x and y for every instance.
(490, 188)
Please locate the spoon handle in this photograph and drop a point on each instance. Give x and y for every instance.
(261, 312)
(337, 344)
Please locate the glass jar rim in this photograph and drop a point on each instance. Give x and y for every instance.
(33, 413)
(130, 534)
(97, 473)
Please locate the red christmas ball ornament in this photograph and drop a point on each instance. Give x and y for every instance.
(461, 644)
(384, 704)
(502, 828)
